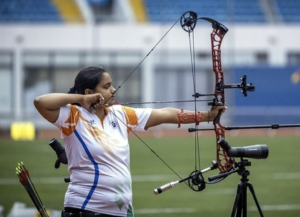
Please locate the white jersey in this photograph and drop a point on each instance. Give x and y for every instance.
(99, 157)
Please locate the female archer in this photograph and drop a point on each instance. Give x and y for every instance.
(95, 135)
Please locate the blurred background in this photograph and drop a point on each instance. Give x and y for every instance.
(45, 43)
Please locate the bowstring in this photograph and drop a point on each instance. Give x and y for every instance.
(193, 68)
(192, 54)
(141, 140)
(140, 63)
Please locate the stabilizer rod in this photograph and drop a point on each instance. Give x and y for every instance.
(271, 126)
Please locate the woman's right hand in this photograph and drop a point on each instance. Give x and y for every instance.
(92, 101)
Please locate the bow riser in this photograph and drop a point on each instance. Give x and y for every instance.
(224, 163)
(216, 41)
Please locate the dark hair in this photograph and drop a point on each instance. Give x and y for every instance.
(87, 78)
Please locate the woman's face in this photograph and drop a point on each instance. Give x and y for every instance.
(106, 89)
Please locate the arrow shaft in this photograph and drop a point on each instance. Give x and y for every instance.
(156, 102)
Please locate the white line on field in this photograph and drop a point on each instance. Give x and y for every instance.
(154, 178)
(164, 210)
(264, 208)
(135, 178)
(279, 207)
(289, 175)
(56, 180)
(15, 181)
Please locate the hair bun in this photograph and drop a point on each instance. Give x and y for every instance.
(72, 90)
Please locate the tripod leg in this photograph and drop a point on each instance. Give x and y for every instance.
(255, 199)
(244, 200)
(237, 207)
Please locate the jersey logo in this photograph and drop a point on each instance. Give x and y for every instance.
(113, 124)
(92, 122)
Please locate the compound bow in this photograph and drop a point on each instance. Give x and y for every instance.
(223, 163)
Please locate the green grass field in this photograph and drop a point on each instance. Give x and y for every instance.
(276, 180)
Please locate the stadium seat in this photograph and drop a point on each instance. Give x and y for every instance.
(29, 11)
(164, 11)
(288, 10)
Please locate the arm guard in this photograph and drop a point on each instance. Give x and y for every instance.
(183, 116)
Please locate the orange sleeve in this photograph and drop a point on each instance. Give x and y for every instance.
(72, 121)
(131, 118)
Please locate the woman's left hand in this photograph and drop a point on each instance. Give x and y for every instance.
(214, 111)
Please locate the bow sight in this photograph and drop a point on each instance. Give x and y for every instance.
(221, 86)
(243, 85)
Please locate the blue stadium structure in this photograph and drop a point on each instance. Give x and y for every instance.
(29, 11)
(288, 10)
(40, 50)
(240, 11)
(160, 11)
